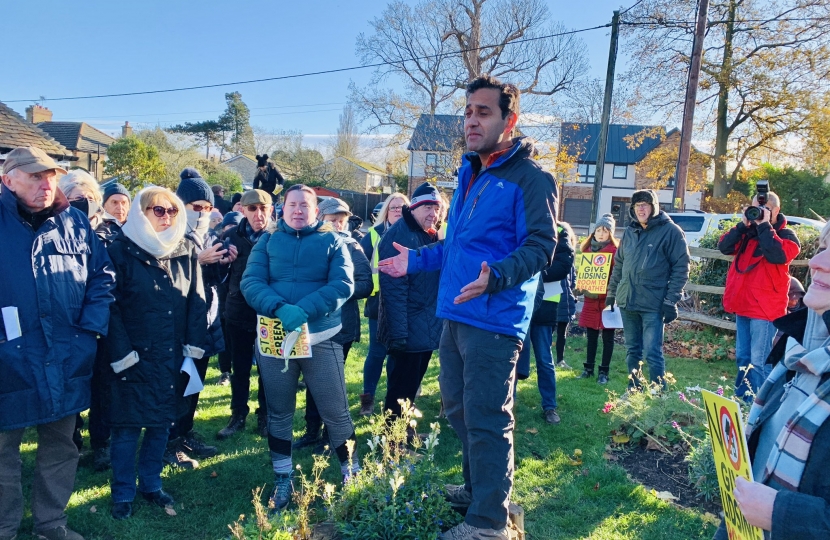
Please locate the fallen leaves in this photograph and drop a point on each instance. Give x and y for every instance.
(213, 474)
(620, 438)
(664, 495)
(93, 509)
(169, 510)
(532, 431)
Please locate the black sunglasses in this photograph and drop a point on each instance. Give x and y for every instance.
(159, 211)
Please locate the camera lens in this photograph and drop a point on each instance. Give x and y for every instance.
(753, 213)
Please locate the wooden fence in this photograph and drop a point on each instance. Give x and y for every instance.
(711, 289)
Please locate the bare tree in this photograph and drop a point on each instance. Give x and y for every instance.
(409, 42)
(438, 46)
(347, 141)
(764, 72)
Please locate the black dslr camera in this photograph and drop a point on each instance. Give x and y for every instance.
(754, 213)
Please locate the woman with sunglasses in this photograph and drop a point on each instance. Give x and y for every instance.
(157, 319)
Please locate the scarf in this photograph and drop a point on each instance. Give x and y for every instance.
(788, 456)
(252, 235)
(138, 229)
(596, 246)
(198, 222)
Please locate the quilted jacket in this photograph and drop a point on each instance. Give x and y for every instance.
(407, 304)
(60, 279)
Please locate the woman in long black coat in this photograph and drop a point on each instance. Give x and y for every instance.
(157, 320)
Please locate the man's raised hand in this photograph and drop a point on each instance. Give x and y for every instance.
(395, 266)
(476, 288)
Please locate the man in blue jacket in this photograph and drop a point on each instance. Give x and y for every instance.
(55, 298)
(501, 233)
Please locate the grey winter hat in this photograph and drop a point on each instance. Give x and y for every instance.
(333, 205)
(645, 195)
(607, 221)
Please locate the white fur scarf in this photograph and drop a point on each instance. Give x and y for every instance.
(139, 229)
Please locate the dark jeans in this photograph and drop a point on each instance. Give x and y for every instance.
(540, 338)
(225, 362)
(561, 337)
(373, 366)
(644, 333)
(405, 378)
(55, 465)
(313, 420)
(150, 463)
(240, 341)
(478, 368)
(185, 423)
(607, 349)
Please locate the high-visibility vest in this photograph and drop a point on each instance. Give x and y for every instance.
(375, 238)
(555, 297)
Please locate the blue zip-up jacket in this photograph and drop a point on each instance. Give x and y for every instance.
(310, 268)
(60, 279)
(508, 220)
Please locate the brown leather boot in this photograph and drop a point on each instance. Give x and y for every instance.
(367, 404)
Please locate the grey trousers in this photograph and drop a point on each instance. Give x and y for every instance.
(478, 370)
(323, 373)
(55, 465)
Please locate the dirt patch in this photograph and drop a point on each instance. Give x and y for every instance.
(663, 472)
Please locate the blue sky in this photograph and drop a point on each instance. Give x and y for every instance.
(99, 47)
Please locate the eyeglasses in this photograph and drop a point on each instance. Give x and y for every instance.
(395, 208)
(159, 211)
(254, 207)
(642, 205)
(201, 207)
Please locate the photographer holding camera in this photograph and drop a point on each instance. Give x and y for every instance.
(757, 284)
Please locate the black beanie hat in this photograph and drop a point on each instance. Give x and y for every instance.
(115, 189)
(645, 195)
(193, 187)
(235, 198)
(424, 194)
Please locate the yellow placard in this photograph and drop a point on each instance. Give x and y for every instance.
(593, 271)
(270, 335)
(731, 461)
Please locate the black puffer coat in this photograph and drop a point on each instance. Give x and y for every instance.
(212, 276)
(350, 312)
(237, 310)
(408, 304)
(546, 313)
(159, 307)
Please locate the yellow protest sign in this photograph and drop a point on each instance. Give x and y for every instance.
(593, 271)
(731, 461)
(270, 335)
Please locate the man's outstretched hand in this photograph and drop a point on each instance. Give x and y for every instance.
(395, 266)
(476, 288)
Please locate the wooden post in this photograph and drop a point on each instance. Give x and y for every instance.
(681, 172)
(606, 116)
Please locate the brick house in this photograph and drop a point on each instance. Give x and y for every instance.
(85, 142)
(16, 131)
(624, 170)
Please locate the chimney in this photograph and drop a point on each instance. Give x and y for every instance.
(37, 114)
(126, 129)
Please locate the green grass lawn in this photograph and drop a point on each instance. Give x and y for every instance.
(561, 501)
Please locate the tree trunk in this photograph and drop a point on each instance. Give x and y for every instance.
(722, 184)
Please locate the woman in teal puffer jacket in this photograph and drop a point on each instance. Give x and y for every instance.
(302, 274)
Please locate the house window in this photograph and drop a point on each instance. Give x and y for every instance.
(586, 172)
(670, 182)
(620, 172)
(432, 160)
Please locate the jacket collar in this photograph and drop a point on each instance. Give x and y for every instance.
(522, 147)
(321, 226)
(654, 221)
(10, 200)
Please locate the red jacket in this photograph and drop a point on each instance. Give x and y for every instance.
(758, 280)
(591, 314)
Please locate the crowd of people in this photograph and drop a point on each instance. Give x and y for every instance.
(120, 301)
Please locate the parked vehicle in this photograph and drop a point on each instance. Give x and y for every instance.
(376, 211)
(695, 225)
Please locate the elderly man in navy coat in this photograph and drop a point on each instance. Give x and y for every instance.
(55, 298)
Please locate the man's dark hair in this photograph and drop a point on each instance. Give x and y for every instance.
(509, 98)
(301, 187)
